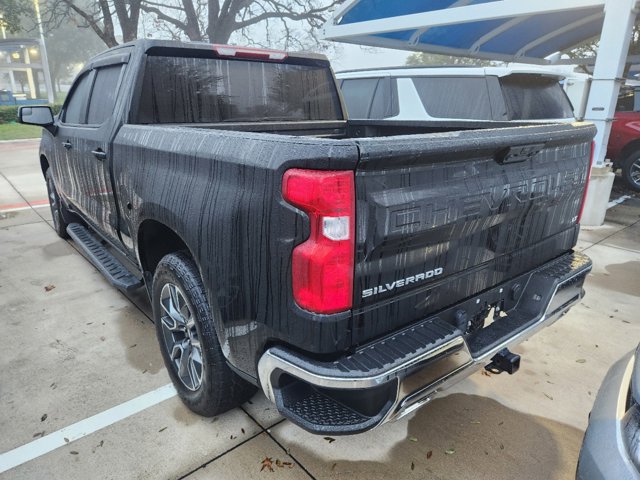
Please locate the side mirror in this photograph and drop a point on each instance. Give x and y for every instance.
(41, 116)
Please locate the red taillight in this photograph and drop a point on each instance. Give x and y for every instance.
(248, 52)
(322, 266)
(586, 187)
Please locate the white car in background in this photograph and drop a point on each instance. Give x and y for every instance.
(531, 94)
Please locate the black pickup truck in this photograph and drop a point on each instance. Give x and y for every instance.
(350, 269)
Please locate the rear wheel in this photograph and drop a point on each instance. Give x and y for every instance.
(631, 170)
(57, 209)
(188, 340)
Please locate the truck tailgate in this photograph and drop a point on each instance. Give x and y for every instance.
(442, 217)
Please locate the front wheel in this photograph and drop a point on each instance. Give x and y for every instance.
(59, 222)
(188, 341)
(631, 170)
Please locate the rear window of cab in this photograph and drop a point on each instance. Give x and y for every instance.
(212, 90)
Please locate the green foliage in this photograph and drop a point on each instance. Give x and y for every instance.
(9, 114)
(12, 12)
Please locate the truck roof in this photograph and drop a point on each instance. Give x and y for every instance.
(147, 45)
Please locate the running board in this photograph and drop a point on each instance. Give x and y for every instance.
(117, 274)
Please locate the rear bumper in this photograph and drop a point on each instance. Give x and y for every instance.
(394, 376)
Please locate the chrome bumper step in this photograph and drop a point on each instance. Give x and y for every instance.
(395, 375)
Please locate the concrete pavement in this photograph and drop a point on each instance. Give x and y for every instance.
(75, 348)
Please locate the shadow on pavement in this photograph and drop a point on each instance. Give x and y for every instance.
(456, 437)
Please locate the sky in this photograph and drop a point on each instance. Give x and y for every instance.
(348, 57)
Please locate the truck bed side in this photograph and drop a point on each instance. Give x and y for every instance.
(220, 192)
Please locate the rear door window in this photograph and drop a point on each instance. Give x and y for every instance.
(534, 97)
(212, 90)
(465, 98)
(103, 94)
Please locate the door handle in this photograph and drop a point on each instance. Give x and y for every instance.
(67, 145)
(99, 154)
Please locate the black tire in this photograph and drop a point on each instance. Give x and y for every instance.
(57, 208)
(220, 388)
(631, 171)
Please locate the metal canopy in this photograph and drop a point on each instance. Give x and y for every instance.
(523, 31)
(507, 30)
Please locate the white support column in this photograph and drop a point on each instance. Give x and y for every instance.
(29, 70)
(613, 47)
(44, 58)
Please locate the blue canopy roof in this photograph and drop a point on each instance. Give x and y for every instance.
(493, 29)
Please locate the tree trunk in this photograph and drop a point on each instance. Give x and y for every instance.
(192, 27)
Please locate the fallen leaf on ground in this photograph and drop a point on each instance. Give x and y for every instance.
(330, 439)
(413, 439)
(49, 287)
(581, 360)
(102, 338)
(268, 464)
(162, 429)
(413, 466)
(450, 451)
(242, 430)
(38, 434)
(429, 454)
(66, 439)
(97, 446)
(485, 373)
(548, 396)
(43, 417)
(73, 452)
(475, 422)
(281, 464)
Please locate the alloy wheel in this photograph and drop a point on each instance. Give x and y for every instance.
(634, 172)
(181, 336)
(53, 203)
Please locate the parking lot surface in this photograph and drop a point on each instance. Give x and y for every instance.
(84, 393)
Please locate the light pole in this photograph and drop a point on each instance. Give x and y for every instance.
(43, 55)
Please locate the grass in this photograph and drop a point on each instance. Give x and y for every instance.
(16, 131)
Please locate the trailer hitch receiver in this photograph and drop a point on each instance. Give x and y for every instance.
(504, 361)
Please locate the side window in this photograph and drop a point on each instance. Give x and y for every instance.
(534, 97)
(627, 100)
(455, 97)
(358, 95)
(103, 95)
(76, 109)
(379, 105)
